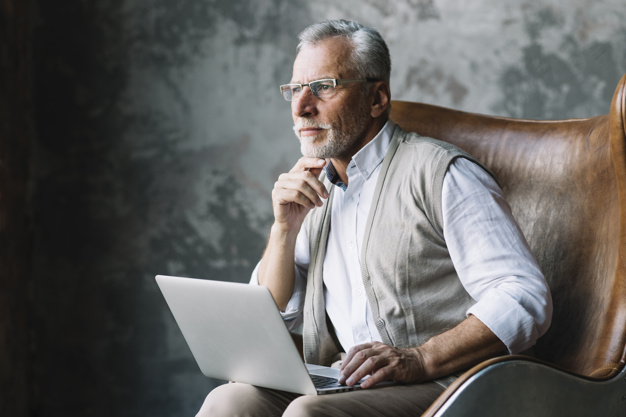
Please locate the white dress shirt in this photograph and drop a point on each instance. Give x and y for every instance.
(490, 255)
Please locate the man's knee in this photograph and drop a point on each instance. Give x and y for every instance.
(244, 400)
(227, 400)
(306, 406)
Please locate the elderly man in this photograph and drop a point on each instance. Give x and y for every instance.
(397, 249)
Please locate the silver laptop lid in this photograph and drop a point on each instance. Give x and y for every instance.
(236, 333)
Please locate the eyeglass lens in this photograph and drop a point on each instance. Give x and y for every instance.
(320, 88)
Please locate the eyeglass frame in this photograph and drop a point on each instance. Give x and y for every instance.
(336, 82)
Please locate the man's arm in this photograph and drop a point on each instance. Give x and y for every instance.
(496, 267)
(459, 348)
(294, 195)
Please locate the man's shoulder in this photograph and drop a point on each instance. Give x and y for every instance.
(426, 153)
(422, 152)
(412, 140)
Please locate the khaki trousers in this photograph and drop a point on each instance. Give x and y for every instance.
(244, 400)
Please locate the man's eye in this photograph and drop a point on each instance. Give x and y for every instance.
(295, 89)
(323, 88)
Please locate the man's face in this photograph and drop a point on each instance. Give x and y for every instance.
(334, 127)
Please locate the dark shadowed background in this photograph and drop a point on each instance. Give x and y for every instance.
(140, 137)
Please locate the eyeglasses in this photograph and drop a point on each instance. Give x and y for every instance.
(325, 88)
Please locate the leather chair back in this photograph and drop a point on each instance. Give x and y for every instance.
(566, 183)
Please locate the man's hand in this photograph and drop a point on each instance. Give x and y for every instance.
(463, 346)
(383, 363)
(297, 192)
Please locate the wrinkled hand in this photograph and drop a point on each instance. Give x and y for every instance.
(297, 192)
(383, 363)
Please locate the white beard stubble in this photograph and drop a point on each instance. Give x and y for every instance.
(338, 143)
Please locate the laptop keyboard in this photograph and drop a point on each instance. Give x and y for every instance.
(324, 381)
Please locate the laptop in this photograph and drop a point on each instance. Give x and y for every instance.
(236, 333)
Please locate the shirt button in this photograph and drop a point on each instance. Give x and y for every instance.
(351, 245)
(359, 292)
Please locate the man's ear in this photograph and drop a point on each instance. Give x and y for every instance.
(381, 99)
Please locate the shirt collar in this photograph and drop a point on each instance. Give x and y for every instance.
(368, 157)
(372, 154)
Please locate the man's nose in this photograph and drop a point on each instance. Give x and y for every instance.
(304, 104)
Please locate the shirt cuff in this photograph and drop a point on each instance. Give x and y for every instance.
(507, 319)
(292, 314)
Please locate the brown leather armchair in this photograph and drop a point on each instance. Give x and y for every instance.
(566, 183)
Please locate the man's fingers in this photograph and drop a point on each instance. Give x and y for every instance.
(303, 182)
(311, 175)
(353, 352)
(383, 374)
(369, 366)
(351, 367)
(284, 197)
(298, 188)
(381, 362)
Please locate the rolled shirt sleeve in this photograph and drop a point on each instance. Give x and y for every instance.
(493, 259)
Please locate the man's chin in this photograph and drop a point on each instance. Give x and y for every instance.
(312, 151)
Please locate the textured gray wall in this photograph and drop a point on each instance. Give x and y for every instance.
(160, 132)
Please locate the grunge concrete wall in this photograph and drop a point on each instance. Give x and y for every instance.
(160, 131)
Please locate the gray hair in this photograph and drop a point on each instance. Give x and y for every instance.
(370, 55)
